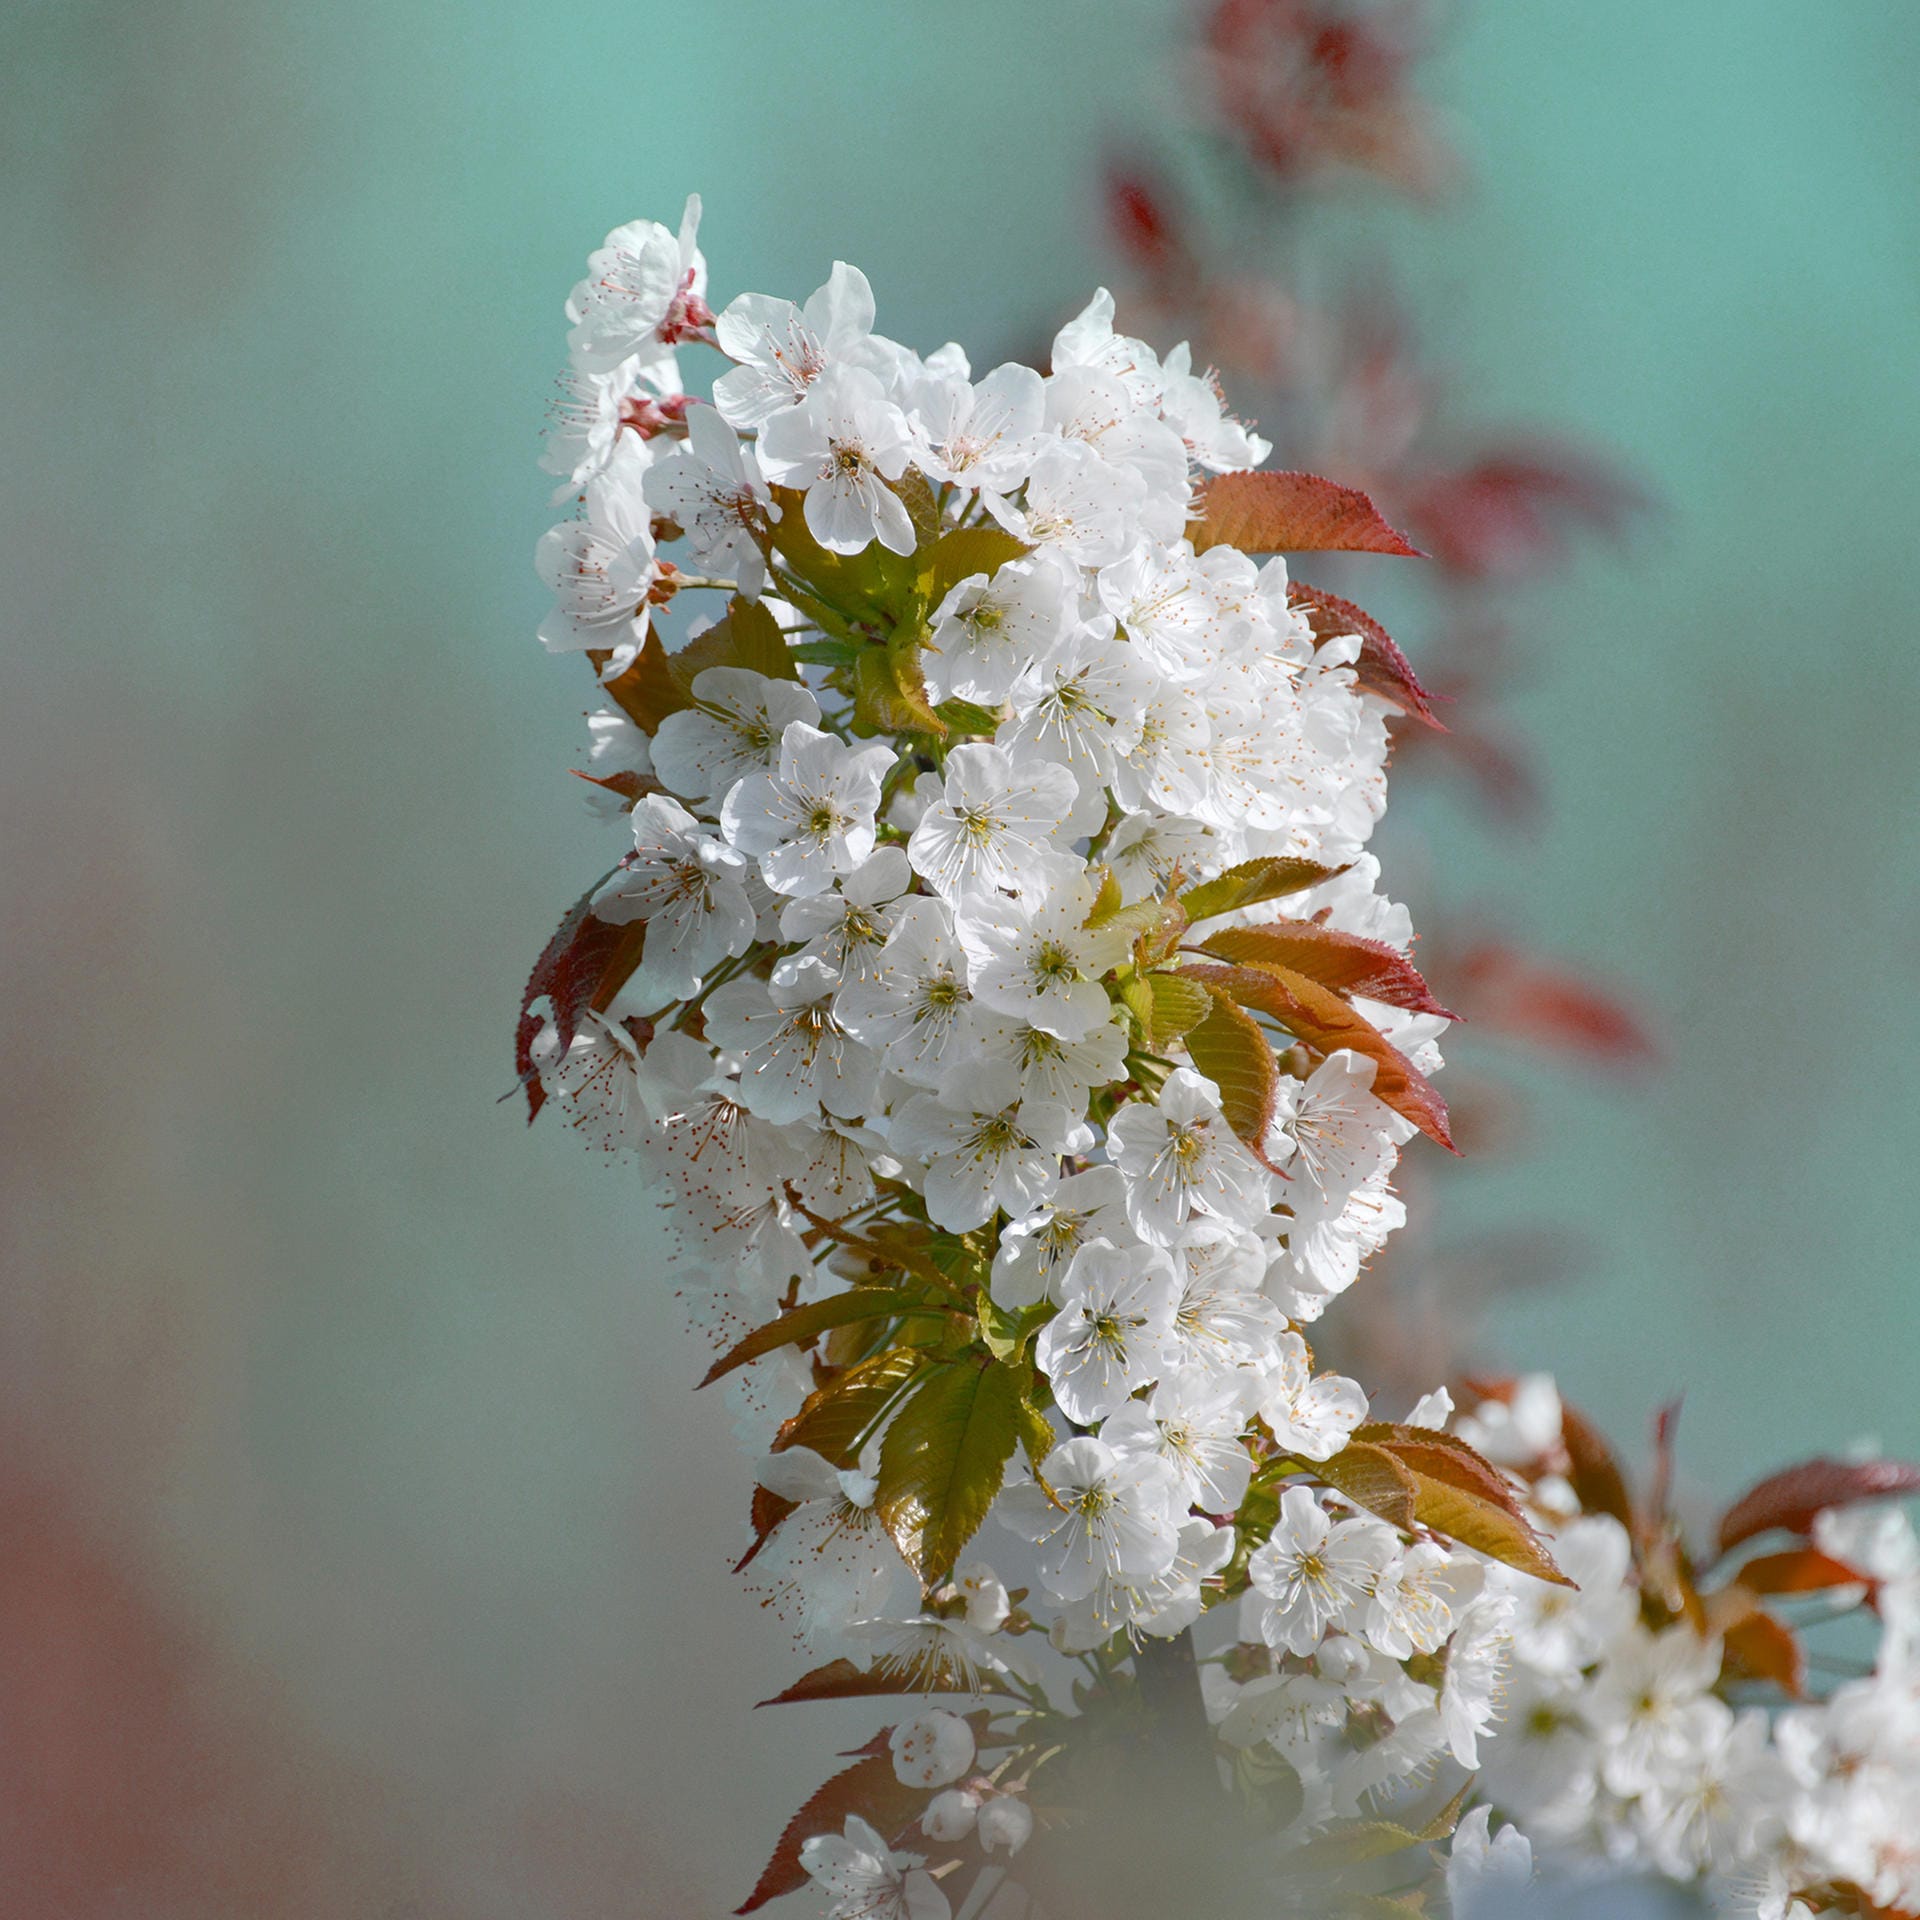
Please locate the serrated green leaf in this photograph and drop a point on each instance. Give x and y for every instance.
(942, 1461)
(1350, 1846)
(890, 694)
(835, 1419)
(1175, 1006)
(1268, 878)
(1229, 1047)
(825, 653)
(965, 551)
(967, 716)
(802, 1325)
(1036, 1432)
(757, 639)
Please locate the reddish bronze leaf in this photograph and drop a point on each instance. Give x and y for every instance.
(1381, 668)
(1593, 1473)
(1346, 962)
(843, 1680)
(769, 1509)
(1372, 1478)
(1760, 1648)
(1551, 1004)
(1798, 1570)
(1326, 1023)
(1792, 1499)
(579, 971)
(870, 1789)
(1291, 513)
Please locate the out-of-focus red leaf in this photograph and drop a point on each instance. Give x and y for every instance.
(1291, 513)
(1519, 993)
(1758, 1647)
(1791, 1500)
(1593, 1472)
(870, 1789)
(1509, 512)
(1326, 1023)
(1346, 962)
(1381, 668)
(1141, 216)
(579, 971)
(1798, 1570)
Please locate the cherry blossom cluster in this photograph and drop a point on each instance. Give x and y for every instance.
(1008, 1143)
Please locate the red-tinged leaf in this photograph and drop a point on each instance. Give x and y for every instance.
(579, 971)
(1229, 1047)
(843, 1680)
(1372, 1478)
(1509, 513)
(1798, 1570)
(1271, 877)
(769, 1509)
(1381, 668)
(1346, 962)
(801, 1326)
(837, 1416)
(1760, 1648)
(1541, 1000)
(629, 786)
(1593, 1472)
(943, 1459)
(1326, 1023)
(1793, 1499)
(1140, 215)
(1291, 513)
(870, 1789)
(1464, 1497)
(658, 683)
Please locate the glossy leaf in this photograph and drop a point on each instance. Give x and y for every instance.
(1319, 1016)
(1593, 1472)
(837, 1416)
(801, 1326)
(1372, 1478)
(1174, 1007)
(769, 1509)
(942, 1461)
(1269, 878)
(1291, 513)
(1793, 1499)
(870, 1788)
(963, 552)
(1346, 962)
(1229, 1047)
(1464, 1497)
(1381, 668)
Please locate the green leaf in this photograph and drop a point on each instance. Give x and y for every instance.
(1268, 878)
(1006, 1334)
(1350, 1846)
(1372, 1478)
(942, 1461)
(758, 641)
(890, 694)
(1230, 1049)
(836, 1418)
(965, 716)
(958, 555)
(825, 653)
(1291, 513)
(1176, 1006)
(801, 1326)
(1344, 962)
(1318, 1015)
(1036, 1432)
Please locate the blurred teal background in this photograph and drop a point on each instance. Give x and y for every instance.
(365, 1550)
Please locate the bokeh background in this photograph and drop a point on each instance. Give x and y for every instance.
(362, 1549)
